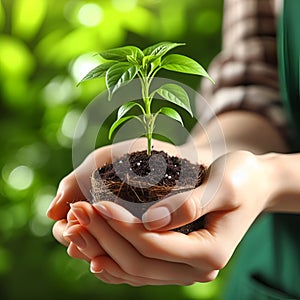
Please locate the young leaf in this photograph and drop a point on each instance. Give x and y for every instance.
(161, 48)
(97, 72)
(127, 107)
(118, 75)
(121, 54)
(149, 59)
(118, 122)
(172, 113)
(156, 63)
(183, 64)
(175, 94)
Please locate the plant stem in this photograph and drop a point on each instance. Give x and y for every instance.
(146, 79)
(148, 114)
(149, 125)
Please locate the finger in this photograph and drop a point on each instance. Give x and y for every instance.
(110, 279)
(71, 220)
(76, 186)
(74, 252)
(194, 249)
(187, 207)
(207, 249)
(84, 241)
(128, 258)
(58, 230)
(68, 192)
(233, 224)
(173, 212)
(102, 264)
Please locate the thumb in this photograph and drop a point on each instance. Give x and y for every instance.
(68, 192)
(186, 207)
(76, 186)
(175, 211)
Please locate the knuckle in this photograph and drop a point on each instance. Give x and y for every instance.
(64, 182)
(219, 262)
(213, 261)
(210, 276)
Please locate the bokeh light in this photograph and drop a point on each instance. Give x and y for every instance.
(90, 14)
(20, 178)
(60, 90)
(83, 64)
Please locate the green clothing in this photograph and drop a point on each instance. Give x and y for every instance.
(289, 64)
(267, 263)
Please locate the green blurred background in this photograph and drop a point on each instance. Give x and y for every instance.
(45, 48)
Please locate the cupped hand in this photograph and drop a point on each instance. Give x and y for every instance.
(236, 190)
(122, 249)
(76, 186)
(148, 253)
(136, 256)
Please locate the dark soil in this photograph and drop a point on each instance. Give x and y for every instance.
(136, 181)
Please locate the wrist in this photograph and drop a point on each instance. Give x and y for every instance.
(284, 195)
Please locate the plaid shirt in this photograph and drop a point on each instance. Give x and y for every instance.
(245, 71)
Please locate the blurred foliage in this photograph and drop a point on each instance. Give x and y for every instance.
(45, 48)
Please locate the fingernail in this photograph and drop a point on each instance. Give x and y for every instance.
(156, 218)
(77, 239)
(80, 214)
(95, 269)
(71, 224)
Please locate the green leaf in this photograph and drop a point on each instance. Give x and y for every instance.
(126, 107)
(132, 59)
(117, 123)
(161, 48)
(118, 75)
(121, 54)
(183, 64)
(97, 72)
(175, 94)
(150, 59)
(155, 63)
(172, 113)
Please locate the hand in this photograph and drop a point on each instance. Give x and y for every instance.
(76, 186)
(236, 184)
(132, 254)
(138, 257)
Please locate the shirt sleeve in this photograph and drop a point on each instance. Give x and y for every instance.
(245, 71)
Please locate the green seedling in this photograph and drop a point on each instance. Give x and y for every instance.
(125, 63)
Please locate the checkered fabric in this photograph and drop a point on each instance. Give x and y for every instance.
(245, 71)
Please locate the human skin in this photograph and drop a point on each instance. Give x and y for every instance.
(256, 177)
